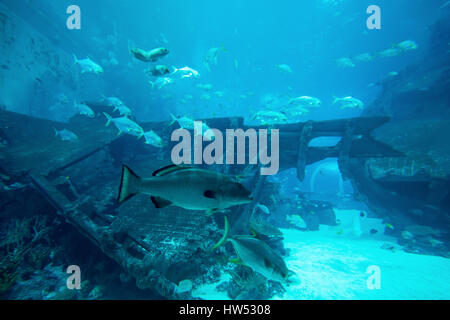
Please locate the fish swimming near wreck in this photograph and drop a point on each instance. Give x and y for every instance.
(112, 101)
(257, 255)
(158, 70)
(149, 56)
(65, 135)
(123, 124)
(84, 109)
(152, 138)
(186, 187)
(87, 65)
(185, 72)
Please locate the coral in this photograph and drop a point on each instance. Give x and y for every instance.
(8, 273)
(17, 239)
(246, 278)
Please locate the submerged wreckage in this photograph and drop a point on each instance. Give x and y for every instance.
(80, 178)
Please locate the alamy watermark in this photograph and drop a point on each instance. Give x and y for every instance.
(213, 153)
(374, 21)
(74, 280)
(374, 280)
(74, 20)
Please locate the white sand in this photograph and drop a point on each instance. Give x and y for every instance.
(332, 264)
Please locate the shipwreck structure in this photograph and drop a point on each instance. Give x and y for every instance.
(158, 247)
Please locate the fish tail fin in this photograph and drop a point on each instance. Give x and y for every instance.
(174, 69)
(56, 131)
(174, 119)
(226, 235)
(335, 99)
(75, 59)
(141, 134)
(129, 184)
(108, 118)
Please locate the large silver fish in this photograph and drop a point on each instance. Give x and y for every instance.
(186, 187)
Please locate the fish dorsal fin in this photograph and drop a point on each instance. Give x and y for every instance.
(168, 169)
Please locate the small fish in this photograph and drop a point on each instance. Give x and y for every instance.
(211, 57)
(392, 74)
(363, 57)
(264, 228)
(270, 117)
(205, 96)
(113, 61)
(188, 123)
(62, 98)
(390, 246)
(149, 56)
(306, 101)
(158, 70)
(123, 110)
(391, 52)
(161, 82)
(163, 38)
(284, 68)
(206, 87)
(125, 125)
(297, 221)
(219, 94)
(153, 139)
(17, 186)
(184, 122)
(186, 72)
(84, 109)
(112, 101)
(407, 45)
(390, 226)
(434, 242)
(407, 235)
(257, 255)
(349, 102)
(185, 187)
(87, 65)
(421, 230)
(66, 135)
(184, 286)
(263, 208)
(296, 111)
(345, 63)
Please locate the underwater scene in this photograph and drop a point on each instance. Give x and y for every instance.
(224, 150)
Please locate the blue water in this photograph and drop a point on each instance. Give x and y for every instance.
(308, 36)
(253, 39)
